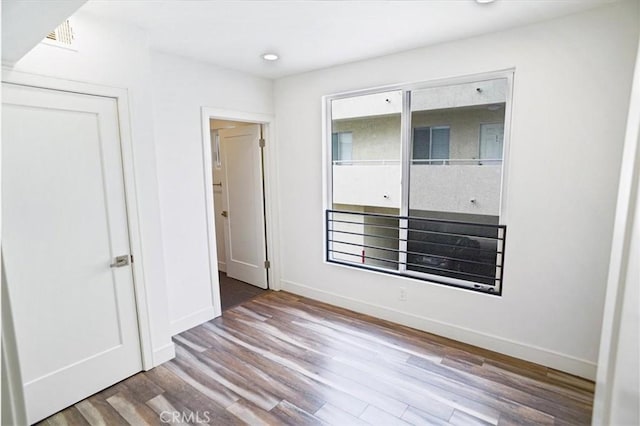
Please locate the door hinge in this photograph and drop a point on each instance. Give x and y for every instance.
(267, 264)
(131, 258)
(261, 142)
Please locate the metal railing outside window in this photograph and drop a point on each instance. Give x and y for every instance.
(463, 254)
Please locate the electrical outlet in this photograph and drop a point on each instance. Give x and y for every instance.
(403, 294)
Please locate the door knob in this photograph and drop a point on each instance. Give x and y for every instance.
(120, 261)
(224, 213)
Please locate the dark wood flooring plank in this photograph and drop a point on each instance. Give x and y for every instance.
(142, 388)
(188, 399)
(99, 413)
(132, 411)
(167, 413)
(291, 414)
(203, 384)
(67, 417)
(568, 379)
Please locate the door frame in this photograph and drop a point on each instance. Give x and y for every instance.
(131, 198)
(270, 186)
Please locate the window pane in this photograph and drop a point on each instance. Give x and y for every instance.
(335, 148)
(422, 143)
(458, 116)
(464, 192)
(440, 143)
(346, 146)
(366, 176)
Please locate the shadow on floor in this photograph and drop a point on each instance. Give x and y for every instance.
(234, 292)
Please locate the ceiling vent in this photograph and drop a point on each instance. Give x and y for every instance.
(61, 36)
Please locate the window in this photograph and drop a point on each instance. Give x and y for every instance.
(342, 147)
(430, 145)
(491, 142)
(390, 210)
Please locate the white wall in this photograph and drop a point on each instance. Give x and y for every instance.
(114, 55)
(571, 93)
(180, 88)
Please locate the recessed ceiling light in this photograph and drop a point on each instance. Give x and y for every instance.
(270, 57)
(485, 1)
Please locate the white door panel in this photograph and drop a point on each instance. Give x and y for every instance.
(243, 201)
(65, 221)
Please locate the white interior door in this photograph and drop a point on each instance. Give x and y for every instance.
(243, 204)
(64, 214)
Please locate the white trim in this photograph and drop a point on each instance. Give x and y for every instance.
(406, 144)
(271, 185)
(327, 171)
(192, 320)
(222, 266)
(556, 360)
(506, 150)
(129, 174)
(12, 391)
(163, 354)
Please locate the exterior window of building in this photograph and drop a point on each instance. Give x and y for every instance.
(342, 146)
(491, 142)
(389, 210)
(431, 145)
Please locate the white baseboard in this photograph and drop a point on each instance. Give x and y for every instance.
(222, 266)
(191, 320)
(164, 354)
(558, 361)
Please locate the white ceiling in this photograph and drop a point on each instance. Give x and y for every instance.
(310, 35)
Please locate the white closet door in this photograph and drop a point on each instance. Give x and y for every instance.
(65, 222)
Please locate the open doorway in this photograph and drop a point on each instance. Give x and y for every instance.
(238, 187)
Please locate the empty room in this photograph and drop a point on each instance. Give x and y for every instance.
(320, 212)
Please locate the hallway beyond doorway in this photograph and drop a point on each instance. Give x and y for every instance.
(234, 292)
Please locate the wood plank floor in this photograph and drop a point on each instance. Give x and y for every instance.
(284, 359)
